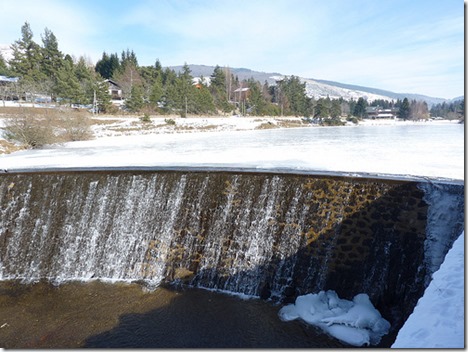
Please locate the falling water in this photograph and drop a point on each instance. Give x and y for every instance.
(275, 236)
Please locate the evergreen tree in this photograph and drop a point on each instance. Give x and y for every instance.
(157, 92)
(360, 108)
(322, 108)
(103, 66)
(128, 57)
(256, 103)
(108, 66)
(26, 56)
(86, 77)
(4, 69)
(404, 110)
(185, 88)
(103, 98)
(135, 101)
(52, 58)
(67, 86)
(219, 90)
(335, 109)
(292, 96)
(202, 101)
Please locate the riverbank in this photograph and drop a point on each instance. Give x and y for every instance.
(113, 126)
(102, 126)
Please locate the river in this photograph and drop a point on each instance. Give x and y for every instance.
(123, 315)
(426, 149)
(97, 314)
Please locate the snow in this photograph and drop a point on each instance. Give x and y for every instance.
(438, 320)
(404, 149)
(355, 322)
(374, 150)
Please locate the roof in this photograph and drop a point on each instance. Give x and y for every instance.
(9, 79)
(112, 82)
(241, 89)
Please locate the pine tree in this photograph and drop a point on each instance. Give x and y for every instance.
(103, 98)
(257, 102)
(135, 101)
(185, 88)
(157, 92)
(67, 86)
(52, 58)
(202, 102)
(219, 89)
(84, 73)
(128, 57)
(26, 56)
(404, 110)
(360, 108)
(4, 69)
(108, 66)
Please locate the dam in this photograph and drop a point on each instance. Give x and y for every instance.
(270, 235)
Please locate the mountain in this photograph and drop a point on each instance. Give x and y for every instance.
(319, 88)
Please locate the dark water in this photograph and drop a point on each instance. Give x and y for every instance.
(98, 314)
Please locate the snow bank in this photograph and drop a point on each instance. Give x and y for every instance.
(355, 322)
(438, 320)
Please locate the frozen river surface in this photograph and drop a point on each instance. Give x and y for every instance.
(426, 149)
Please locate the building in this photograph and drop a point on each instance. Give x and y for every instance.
(115, 91)
(8, 88)
(376, 112)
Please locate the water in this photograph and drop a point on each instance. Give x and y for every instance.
(274, 236)
(96, 314)
(426, 149)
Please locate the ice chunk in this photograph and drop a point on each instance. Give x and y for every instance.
(355, 322)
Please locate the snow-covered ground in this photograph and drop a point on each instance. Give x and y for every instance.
(426, 149)
(438, 321)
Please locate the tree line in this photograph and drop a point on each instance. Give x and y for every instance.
(46, 71)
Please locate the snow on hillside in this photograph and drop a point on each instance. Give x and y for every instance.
(316, 89)
(322, 90)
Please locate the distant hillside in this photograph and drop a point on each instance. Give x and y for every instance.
(319, 88)
(241, 73)
(386, 93)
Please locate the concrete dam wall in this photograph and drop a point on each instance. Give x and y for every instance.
(275, 236)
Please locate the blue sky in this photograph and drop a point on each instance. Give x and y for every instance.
(412, 46)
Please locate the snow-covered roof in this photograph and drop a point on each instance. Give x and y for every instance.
(9, 79)
(241, 90)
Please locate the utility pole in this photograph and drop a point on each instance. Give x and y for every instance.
(94, 102)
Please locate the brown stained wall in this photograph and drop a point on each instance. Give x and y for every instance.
(275, 236)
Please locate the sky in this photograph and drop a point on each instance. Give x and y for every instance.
(403, 46)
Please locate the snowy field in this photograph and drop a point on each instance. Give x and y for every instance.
(428, 150)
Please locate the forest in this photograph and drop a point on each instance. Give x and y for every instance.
(46, 73)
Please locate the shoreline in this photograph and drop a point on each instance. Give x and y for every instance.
(108, 126)
(121, 125)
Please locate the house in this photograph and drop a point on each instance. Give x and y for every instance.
(241, 94)
(8, 80)
(376, 112)
(8, 89)
(115, 91)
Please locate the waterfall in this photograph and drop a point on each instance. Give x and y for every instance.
(271, 235)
